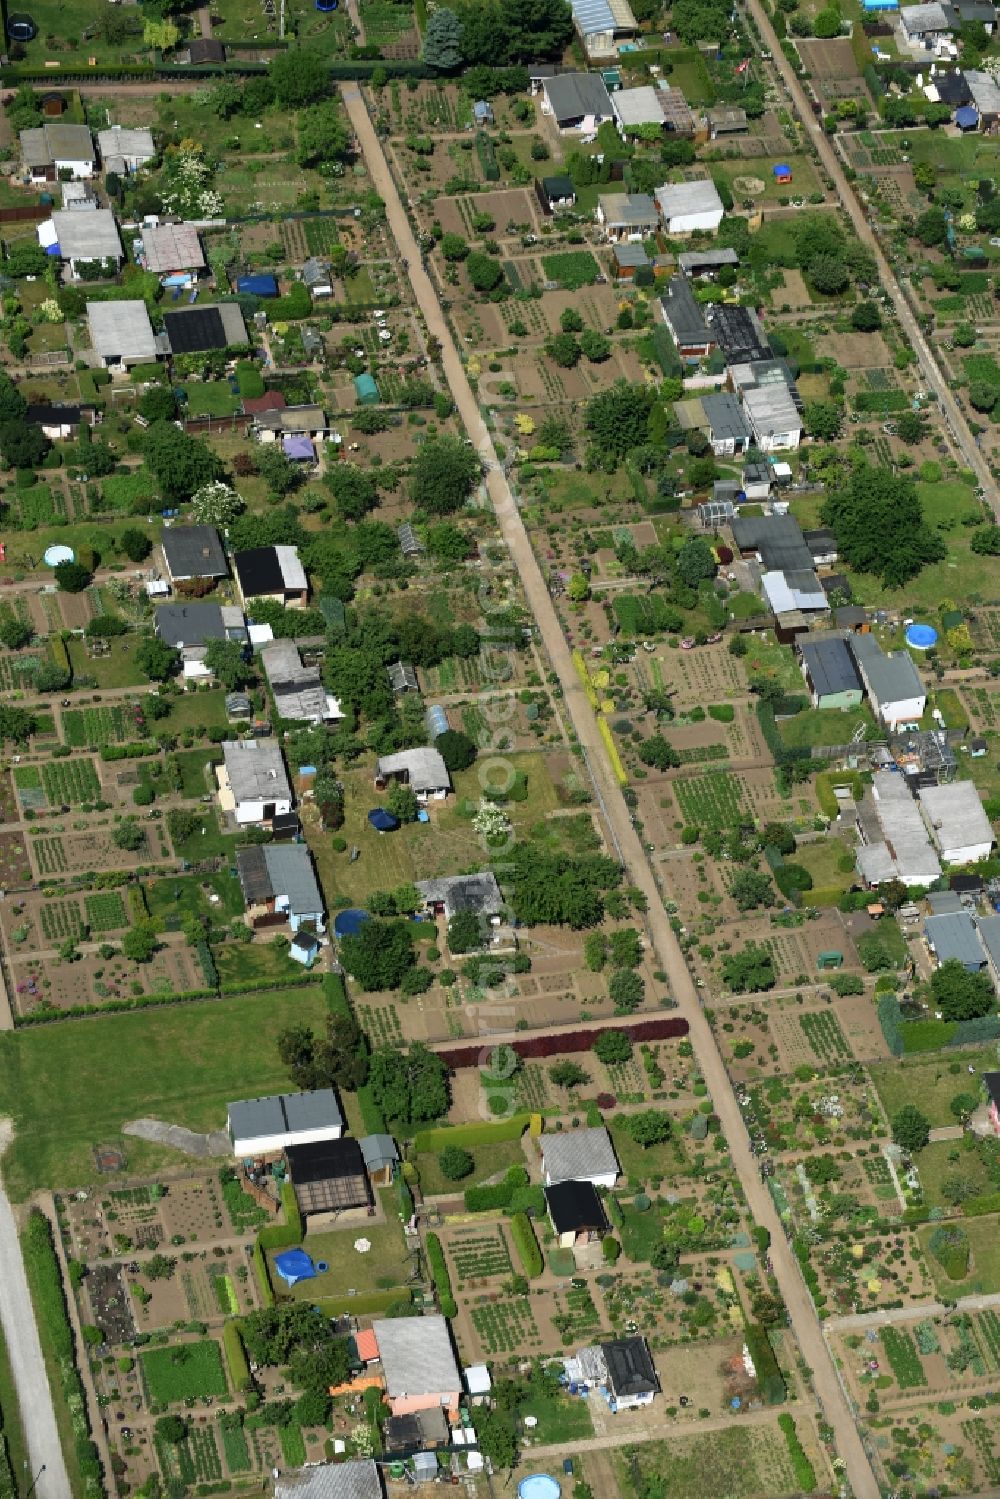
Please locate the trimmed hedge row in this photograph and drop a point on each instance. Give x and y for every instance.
(236, 1356)
(484, 1133)
(459, 1057)
(284, 1235)
(772, 1386)
(914, 1037)
(138, 749)
(497, 1195)
(41, 1265)
(442, 1280)
(263, 1274)
(805, 1473)
(526, 1245)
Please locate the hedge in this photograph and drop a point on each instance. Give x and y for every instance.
(783, 753)
(805, 1473)
(236, 1356)
(496, 1195)
(263, 1274)
(527, 1245)
(137, 750)
(41, 1265)
(890, 1018)
(913, 1037)
(535, 1047)
(442, 1280)
(480, 1133)
(772, 1386)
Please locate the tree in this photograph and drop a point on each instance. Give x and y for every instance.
(910, 426)
(518, 31)
(964, 1104)
(25, 260)
(866, 316)
(216, 504)
(320, 1366)
(627, 990)
(338, 1059)
(443, 41)
(695, 561)
(128, 835)
(932, 227)
(612, 1047)
(750, 971)
(379, 954)
(409, 1087)
(824, 419)
(181, 464)
(455, 1163)
(72, 577)
(465, 933)
(750, 889)
(961, 995)
(658, 752)
(578, 588)
(444, 473)
(964, 335)
(299, 76)
(563, 349)
(664, 1256)
(957, 1188)
(570, 321)
(569, 1075)
(925, 176)
(879, 524)
(402, 802)
(484, 271)
(983, 397)
(158, 404)
(12, 402)
(497, 1439)
(353, 490)
(16, 724)
(135, 544)
(829, 275)
(15, 632)
(172, 1429)
(595, 346)
(323, 136)
(648, 1127)
(160, 34)
(157, 659)
(910, 1129)
(21, 445)
(139, 943)
(278, 471)
(227, 663)
(447, 544)
(985, 541)
(457, 749)
(618, 419)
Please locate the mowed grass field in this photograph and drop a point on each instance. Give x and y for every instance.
(71, 1086)
(930, 1083)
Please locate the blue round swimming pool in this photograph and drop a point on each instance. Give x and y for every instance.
(538, 1486)
(921, 637)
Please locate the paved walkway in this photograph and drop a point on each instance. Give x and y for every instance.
(25, 1353)
(830, 1393)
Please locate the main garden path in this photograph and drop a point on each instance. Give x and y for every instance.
(25, 1352)
(834, 1402)
(858, 216)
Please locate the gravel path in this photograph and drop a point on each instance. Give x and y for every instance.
(25, 1353)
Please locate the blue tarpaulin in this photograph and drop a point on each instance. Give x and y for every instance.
(294, 1265)
(967, 118)
(383, 821)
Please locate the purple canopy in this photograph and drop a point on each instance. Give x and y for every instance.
(298, 447)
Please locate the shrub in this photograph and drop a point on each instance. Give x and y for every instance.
(805, 1473)
(442, 1280)
(527, 1245)
(772, 1386)
(455, 1163)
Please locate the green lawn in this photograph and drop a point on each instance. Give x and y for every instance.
(934, 1166)
(385, 1265)
(183, 1371)
(490, 1160)
(748, 1461)
(240, 962)
(24, 551)
(930, 1082)
(210, 398)
(188, 895)
(826, 726)
(804, 179)
(208, 842)
(178, 1064)
(192, 763)
(822, 860)
(984, 1260)
(116, 669)
(766, 658)
(199, 711)
(667, 1160)
(560, 1418)
(12, 1429)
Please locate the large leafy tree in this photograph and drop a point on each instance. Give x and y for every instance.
(353, 489)
(12, 402)
(180, 463)
(226, 661)
(618, 419)
(338, 1059)
(378, 955)
(910, 1128)
(299, 77)
(749, 971)
(409, 1087)
(879, 524)
(157, 659)
(961, 995)
(514, 31)
(323, 135)
(22, 446)
(444, 472)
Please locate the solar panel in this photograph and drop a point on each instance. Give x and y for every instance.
(193, 331)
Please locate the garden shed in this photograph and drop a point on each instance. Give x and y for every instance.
(366, 390)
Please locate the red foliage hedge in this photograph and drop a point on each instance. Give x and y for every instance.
(660, 1029)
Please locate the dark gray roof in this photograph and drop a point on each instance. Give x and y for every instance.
(739, 333)
(189, 624)
(478, 893)
(724, 415)
(630, 1368)
(575, 1207)
(684, 317)
(891, 679)
(778, 539)
(284, 1114)
(379, 1151)
(280, 869)
(193, 552)
(955, 936)
(573, 95)
(707, 260)
(831, 667)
